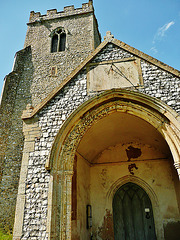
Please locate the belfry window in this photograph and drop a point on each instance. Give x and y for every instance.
(58, 41)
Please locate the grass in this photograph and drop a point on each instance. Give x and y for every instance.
(5, 236)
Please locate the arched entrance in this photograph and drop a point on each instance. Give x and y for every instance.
(116, 134)
(133, 214)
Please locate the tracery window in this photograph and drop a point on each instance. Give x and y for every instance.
(58, 40)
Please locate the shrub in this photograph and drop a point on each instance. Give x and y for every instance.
(5, 236)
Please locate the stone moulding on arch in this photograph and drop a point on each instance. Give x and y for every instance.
(134, 179)
(150, 109)
(61, 158)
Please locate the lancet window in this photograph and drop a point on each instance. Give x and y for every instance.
(58, 40)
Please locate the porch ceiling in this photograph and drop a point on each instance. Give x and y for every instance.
(119, 128)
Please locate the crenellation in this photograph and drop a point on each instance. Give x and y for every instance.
(34, 16)
(68, 11)
(51, 12)
(86, 5)
(69, 8)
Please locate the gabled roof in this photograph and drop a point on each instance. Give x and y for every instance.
(108, 39)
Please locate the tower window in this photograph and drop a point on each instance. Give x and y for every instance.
(54, 46)
(58, 42)
(62, 43)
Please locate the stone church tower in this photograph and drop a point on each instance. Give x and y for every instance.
(90, 136)
(37, 70)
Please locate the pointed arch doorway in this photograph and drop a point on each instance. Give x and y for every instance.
(132, 214)
(91, 128)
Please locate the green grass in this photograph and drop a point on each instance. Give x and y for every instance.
(5, 236)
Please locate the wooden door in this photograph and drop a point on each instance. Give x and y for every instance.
(132, 214)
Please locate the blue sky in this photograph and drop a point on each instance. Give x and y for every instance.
(152, 26)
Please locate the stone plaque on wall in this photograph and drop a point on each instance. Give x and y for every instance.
(116, 74)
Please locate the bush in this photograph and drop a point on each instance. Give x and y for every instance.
(5, 236)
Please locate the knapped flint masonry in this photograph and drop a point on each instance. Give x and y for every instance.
(90, 136)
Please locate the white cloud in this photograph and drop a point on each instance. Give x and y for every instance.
(154, 50)
(161, 31)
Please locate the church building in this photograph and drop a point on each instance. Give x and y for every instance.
(90, 136)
